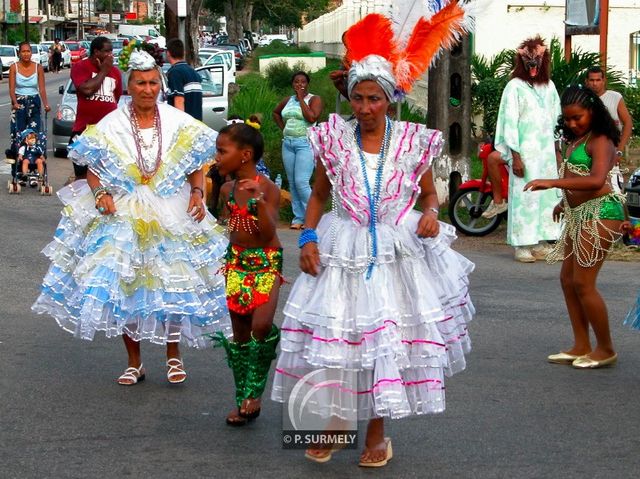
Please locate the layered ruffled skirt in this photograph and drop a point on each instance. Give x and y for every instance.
(149, 271)
(379, 347)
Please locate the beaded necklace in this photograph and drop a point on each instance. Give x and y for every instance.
(374, 199)
(145, 172)
(242, 217)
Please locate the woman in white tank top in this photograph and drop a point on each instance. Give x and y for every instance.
(28, 95)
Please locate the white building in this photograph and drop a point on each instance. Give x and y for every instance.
(502, 24)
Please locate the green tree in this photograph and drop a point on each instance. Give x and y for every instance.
(241, 13)
(117, 6)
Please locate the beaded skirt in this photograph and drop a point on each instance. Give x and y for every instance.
(149, 271)
(394, 337)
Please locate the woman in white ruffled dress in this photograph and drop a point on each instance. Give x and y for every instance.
(136, 254)
(379, 315)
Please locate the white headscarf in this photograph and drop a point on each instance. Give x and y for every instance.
(141, 61)
(375, 68)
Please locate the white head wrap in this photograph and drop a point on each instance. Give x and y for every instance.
(375, 68)
(141, 61)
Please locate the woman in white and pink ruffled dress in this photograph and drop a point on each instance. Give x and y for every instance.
(379, 316)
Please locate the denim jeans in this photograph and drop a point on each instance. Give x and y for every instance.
(298, 164)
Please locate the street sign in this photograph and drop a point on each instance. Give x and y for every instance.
(115, 17)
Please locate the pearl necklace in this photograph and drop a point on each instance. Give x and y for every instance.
(145, 172)
(374, 199)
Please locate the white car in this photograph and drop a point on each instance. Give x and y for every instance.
(223, 58)
(9, 56)
(40, 55)
(215, 96)
(66, 53)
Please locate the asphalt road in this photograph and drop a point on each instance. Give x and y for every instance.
(510, 414)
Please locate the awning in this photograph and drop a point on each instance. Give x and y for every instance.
(36, 19)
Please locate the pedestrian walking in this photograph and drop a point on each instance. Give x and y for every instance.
(294, 115)
(136, 254)
(380, 313)
(253, 267)
(55, 52)
(28, 95)
(592, 216)
(185, 84)
(98, 85)
(525, 138)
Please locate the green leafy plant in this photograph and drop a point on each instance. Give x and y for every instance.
(279, 75)
(489, 77)
(631, 97)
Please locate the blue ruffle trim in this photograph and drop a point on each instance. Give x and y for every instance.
(633, 318)
(90, 151)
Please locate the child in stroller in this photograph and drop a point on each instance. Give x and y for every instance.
(31, 158)
(28, 163)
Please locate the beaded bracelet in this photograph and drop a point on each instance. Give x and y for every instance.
(308, 235)
(99, 191)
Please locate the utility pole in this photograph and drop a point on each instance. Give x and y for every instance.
(110, 27)
(604, 32)
(26, 20)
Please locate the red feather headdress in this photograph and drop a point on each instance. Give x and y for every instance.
(374, 35)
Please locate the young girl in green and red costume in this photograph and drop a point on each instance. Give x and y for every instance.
(254, 266)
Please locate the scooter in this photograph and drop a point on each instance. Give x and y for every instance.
(474, 197)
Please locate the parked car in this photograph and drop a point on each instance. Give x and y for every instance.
(224, 58)
(215, 105)
(66, 54)
(237, 53)
(78, 51)
(214, 56)
(1, 72)
(40, 54)
(267, 39)
(215, 96)
(632, 190)
(9, 56)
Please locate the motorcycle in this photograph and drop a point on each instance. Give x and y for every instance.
(474, 197)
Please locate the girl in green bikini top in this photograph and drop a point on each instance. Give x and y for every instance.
(592, 217)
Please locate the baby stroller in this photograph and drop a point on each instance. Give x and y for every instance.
(32, 178)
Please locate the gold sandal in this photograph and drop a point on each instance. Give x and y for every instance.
(382, 462)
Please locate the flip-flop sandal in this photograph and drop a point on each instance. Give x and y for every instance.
(320, 459)
(176, 368)
(382, 462)
(132, 376)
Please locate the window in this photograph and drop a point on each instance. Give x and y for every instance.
(212, 82)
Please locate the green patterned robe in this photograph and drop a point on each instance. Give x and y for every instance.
(526, 122)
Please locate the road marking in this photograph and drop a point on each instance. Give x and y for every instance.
(5, 169)
(5, 104)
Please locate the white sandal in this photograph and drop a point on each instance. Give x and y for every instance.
(176, 368)
(134, 375)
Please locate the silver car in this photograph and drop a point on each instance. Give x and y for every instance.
(40, 54)
(215, 105)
